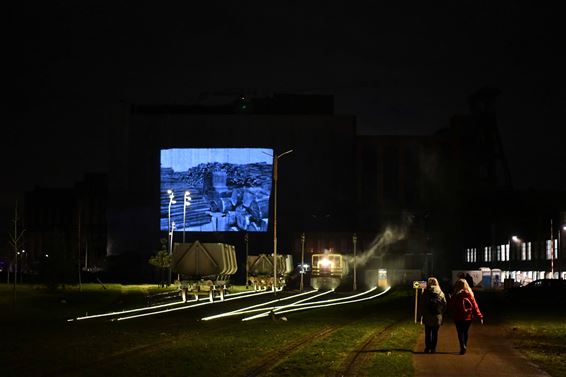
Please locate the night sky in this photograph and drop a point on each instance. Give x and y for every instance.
(400, 68)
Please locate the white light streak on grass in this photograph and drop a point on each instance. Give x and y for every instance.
(334, 303)
(276, 308)
(190, 306)
(249, 308)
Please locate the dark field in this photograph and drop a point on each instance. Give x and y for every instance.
(375, 337)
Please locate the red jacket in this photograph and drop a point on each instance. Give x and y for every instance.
(464, 307)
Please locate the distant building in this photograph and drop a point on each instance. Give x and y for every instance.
(67, 224)
(417, 204)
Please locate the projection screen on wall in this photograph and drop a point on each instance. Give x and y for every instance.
(229, 189)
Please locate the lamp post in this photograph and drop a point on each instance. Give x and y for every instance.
(169, 228)
(171, 247)
(246, 240)
(187, 203)
(275, 165)
(302, 260)
(355, 240)
(515, 239)
(560, 229)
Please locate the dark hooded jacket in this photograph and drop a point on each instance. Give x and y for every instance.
(432, 316)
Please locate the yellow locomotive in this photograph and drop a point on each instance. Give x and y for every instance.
(328, 270)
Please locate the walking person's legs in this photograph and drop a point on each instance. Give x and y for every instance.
(428, 338)
(462, 328)
(433, 338)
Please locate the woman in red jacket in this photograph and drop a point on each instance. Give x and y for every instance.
(464, 308)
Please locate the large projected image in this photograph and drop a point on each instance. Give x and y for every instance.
(229, 189)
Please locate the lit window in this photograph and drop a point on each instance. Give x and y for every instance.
(529, 254)
(498, 256)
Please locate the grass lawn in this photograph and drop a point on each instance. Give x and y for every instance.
(541, 336)
(38, 341)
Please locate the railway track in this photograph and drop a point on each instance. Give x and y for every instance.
(276, 356)
(357, 361)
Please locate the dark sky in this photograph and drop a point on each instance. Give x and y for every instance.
(400, 67)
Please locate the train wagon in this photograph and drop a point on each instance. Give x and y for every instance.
(328, 270)
(204, 267)
(260, 270)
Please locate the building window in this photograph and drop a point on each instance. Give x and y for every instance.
(487, 254)
(548, 249)
(506, 248)
(523, 251)
(555, 249)
(529, 251)
(475, 255)
(471, 254)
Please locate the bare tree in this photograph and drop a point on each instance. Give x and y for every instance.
(16, 242)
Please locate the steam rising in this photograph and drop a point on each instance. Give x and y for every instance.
(380, 244)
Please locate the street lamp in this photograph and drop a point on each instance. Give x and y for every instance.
(187, 203)
(169, 227)
(515, 239)
(246, 240)
(275, 164)
(560, 229)
(302, 260)
(171, 247)
(355, 240)
(171, 201)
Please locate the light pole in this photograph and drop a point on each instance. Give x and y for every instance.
(515, 239)
(171, 247)
(275, 164)
(551, 250)
(355, 240)
(169, 227)
(302, 260)
(246, 240)
(187, 203)
(560, 229)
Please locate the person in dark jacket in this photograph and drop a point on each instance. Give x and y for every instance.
(464, 308)
(433, 304)
(470, 280)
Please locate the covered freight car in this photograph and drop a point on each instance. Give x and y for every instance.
(260, 270)
(204, 267)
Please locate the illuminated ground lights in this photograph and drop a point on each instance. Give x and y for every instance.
(320, 304)
(335, 303)
(259, 310)
(252, 294)
(299, 305)
(186, 305)
(250, 309)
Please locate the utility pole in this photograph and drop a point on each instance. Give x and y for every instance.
(275, 177)
(551, 249)
(79, 248)
(302, 260)
(246, 239)
(355, 240)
